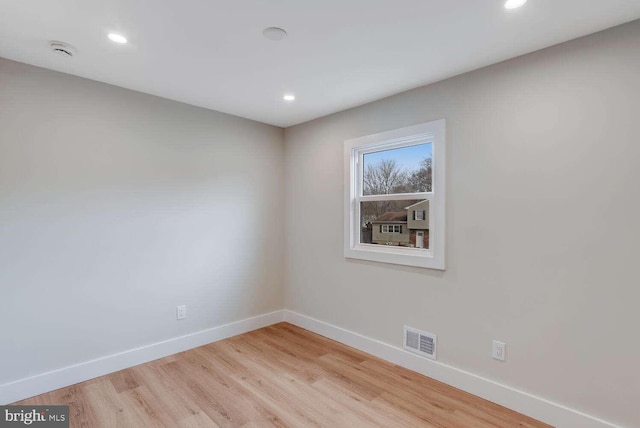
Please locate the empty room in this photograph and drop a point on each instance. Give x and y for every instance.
(287, 213)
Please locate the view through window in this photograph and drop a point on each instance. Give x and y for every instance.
(403, 223)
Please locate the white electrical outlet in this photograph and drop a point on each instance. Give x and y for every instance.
(499, 350)
(181, 312)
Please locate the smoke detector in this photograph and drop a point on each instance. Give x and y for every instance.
(274, 33)
(62, 48)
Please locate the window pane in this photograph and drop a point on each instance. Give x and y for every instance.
(395, 223)
(403, 170)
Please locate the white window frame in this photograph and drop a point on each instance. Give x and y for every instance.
(354, 151)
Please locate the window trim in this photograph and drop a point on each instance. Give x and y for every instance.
(354, 150)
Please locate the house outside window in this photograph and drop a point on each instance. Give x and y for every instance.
(394, 196)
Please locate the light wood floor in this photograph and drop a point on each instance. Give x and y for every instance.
(279, 376)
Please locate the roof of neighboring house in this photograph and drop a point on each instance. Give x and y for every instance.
(421, 202)
(391, 217)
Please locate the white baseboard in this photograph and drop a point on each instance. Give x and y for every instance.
(50, 381)
(539, 408)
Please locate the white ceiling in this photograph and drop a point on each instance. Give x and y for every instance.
(339, 53)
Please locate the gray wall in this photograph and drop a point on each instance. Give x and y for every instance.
(117, 206)
(542, 224)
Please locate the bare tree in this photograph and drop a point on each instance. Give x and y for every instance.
(421, 180)
(384, 177)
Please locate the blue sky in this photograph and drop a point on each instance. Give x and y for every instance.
(407, 157)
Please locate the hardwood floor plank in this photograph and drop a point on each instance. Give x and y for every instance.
(145, 408)
(103, 407)
(177, 407)
(124, 380)
(389, 417)
(73, 396)
(278, 376)
(197, 420)
(209, 397)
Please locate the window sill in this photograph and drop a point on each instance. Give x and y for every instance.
(395, 255)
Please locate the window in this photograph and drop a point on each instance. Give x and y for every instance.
(390, 228)
(394, 196)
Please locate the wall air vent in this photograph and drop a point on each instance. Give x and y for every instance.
(62, 48)
(420, 342)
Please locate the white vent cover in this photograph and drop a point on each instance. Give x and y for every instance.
(420, 342)
(62, 48)
(274, 33)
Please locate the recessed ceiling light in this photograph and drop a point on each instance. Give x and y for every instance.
(274, 33)
(289, 97)
(117, 38)
(514, 4)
